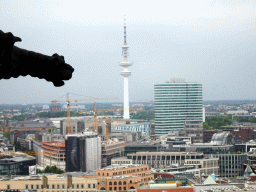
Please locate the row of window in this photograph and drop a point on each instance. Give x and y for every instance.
(124, 172)
(115, 188)
(119, 183)
(61, 186)
(66, 191)
(164, 157)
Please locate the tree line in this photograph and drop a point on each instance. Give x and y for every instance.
(50, 169)
(217, 121)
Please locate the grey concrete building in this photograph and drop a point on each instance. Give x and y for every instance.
(193, 128)
(230, 165)
(166, 159)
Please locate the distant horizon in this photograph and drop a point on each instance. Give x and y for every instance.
(242, 100)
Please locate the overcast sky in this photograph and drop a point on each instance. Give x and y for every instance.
(212, 42)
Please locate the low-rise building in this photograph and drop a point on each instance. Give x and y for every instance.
(127, 136)
(230, 165)
(15, 163)
(56, 183)
(166, 187)
(143, 127)
(123, 178)
(111, 149)
(160, 160)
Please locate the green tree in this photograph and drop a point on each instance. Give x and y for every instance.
(252, 120)
(7, 134)
(53, 169)
(19, 117)
(38, 171)
(217, 121)
(206, 125)
(47, 169)
(147, 115)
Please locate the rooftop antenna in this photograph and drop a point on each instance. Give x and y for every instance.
(124, 30)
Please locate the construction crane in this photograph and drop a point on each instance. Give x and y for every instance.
(76, 100)
(106, 120)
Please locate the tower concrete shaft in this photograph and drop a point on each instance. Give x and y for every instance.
(125, 73)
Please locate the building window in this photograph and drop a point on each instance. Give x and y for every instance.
(115, 183)
(82, 185)
(73, 186)
(42, 186)
(120, 183)
(110, 183)
(115, 188)
(120, 188)
(58, 186)
(124, 188)
(124, 182)
(37, 186)
(94, 186)
(77, 186)
(53, 186)
(110, 188)
(8, 187)
(89, 185)
(32, 186)
(63, 186)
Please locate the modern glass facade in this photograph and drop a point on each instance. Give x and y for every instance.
(176, 102)
(16, 165)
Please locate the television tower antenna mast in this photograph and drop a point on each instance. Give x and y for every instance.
(125, 73)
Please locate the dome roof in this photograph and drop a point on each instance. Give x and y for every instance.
(224, 138)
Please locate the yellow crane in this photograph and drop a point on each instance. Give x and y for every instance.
(76, 100)
(106, 120)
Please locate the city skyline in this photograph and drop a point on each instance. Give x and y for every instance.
(206, 42)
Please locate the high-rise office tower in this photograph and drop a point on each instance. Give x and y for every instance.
(83, 152)
(125, 73)
(175, 102)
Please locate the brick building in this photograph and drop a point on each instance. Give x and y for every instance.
(243, 135)
(207, 135)
(123, 178)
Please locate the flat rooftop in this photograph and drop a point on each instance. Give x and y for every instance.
(16, 159)
(117, 167)
(165, 153)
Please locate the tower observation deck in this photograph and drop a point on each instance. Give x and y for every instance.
(125, 73)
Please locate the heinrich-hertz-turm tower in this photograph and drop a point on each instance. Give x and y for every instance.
(125, 73)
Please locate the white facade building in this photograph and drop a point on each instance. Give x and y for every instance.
(144, 128)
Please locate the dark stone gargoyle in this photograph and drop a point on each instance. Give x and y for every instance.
(15, 61)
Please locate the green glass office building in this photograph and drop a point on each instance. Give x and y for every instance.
(176, 101)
